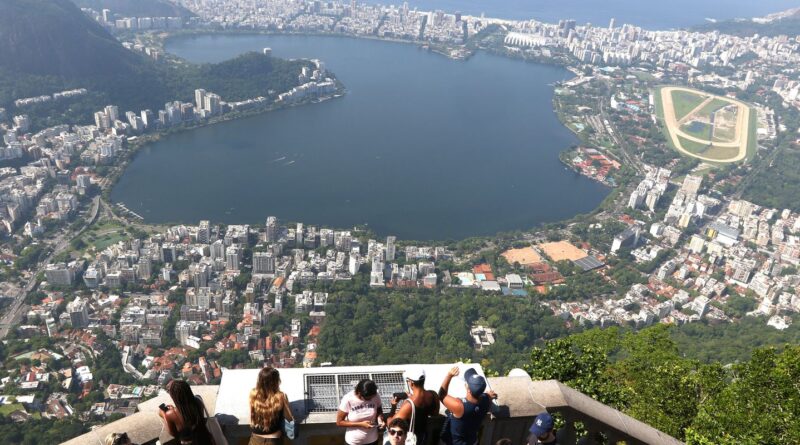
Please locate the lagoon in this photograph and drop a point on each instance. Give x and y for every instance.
(422, 147)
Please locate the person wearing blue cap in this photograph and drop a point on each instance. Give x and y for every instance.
(465, 414)
(541, 432)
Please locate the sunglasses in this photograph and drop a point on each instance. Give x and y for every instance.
(397, 432)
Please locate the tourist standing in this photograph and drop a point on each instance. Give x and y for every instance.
(466, 414)
(360, 411)
(269, 408)
(425, 404)
(186, 419)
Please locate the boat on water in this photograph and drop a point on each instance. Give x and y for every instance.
(289, 163)
(280, 159)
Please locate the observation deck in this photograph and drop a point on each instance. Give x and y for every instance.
(314, 395)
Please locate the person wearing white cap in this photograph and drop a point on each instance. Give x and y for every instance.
(425, 404)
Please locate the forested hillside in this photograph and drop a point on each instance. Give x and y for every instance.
(645, 374)
(431, 327)
(48, 46)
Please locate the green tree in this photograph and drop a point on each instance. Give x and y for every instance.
(760, 405)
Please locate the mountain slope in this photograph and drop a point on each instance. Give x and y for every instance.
(53, 37)
(50, 45)
(784, 23)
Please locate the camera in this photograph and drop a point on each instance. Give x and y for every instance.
(400, 395)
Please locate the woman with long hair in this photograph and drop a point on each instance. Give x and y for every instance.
(269, 407)
(186, 419)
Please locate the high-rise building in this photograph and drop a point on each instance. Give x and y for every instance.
(325, 237)
(145, 268)
(83, 181)
(200, 98)
(204, 232)
(612, 24)
(174, 113)
(298, 235)
(310, 241)
(199, 274)
(148, 118)
(168, 254)
(187, 112)
(390, 248)
(218, 249)
(691, 185)
(59, 274)
(78, 315)
(271, 233)
(203, 297)
(183, 329)
(742, 269)
(112, 111)
(130, 116)
(101, 120)
(213, 104)
(263, 262)
(22, 123)
(376, 277)
(233, 258)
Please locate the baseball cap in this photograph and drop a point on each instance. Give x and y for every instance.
(414, 373)
(475, 382)
(541, 426)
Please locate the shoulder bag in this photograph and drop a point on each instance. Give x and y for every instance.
(289, 427)
(411, 438)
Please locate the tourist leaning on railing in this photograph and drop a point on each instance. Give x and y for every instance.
(186, 419)
(466, 414)
(269, 408)
(360, 411)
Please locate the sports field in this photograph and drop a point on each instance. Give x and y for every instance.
(523, 256)
(562, 250)
(707, 127)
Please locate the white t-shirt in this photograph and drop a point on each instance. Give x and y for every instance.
(359, 411)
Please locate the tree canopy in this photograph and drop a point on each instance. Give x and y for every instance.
(644, 375)
(423, 326)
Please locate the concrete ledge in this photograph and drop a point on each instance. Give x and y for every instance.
(556, 396)
(520, 400)
(146, 426)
